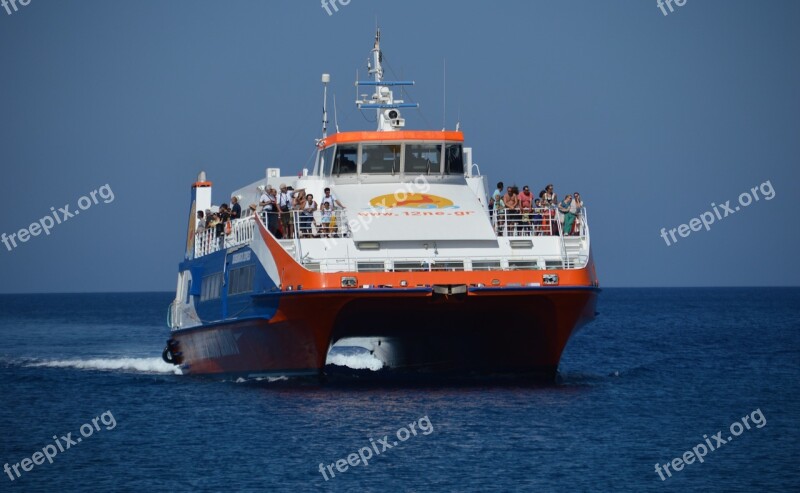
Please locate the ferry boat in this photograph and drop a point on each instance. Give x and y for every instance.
(411, 264)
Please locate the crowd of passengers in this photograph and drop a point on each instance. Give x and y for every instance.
(278, 209)
(517, 213)
(513, 212)
(282, 207)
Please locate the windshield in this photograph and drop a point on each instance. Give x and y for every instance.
(423, 158)
(454, 159)
(380, 159)
(345, 162)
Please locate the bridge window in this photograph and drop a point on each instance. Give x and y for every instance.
(326, 160)
(380, 159)
(454, 159)
(423, 158)
(345, 161)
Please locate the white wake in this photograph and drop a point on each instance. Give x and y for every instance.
(138, 365)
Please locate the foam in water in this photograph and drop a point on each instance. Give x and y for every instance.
(362, 361)
(141, 365)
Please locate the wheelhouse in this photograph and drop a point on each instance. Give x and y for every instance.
(370, 156)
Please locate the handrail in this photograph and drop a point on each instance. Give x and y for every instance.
(503, 222)
(540, 226)
(207, 241)
(561, 239)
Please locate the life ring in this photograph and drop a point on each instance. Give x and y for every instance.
(167, 356)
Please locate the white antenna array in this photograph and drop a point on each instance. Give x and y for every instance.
(382, 100)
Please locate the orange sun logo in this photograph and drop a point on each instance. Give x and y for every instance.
(411, 200)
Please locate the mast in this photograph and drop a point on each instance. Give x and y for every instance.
(382, 101)
(325, 79)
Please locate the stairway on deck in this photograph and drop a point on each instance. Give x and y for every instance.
(573, 245)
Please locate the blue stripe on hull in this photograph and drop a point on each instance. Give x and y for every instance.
(230, 307)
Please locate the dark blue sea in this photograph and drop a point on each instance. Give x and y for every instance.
(657, 375)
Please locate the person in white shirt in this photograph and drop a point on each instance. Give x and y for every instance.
(268, 203)
(307, 216)
(330, 199)
(285, 199)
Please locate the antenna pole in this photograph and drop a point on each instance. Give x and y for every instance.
(444, 98)
(325, 79)
(335, 114)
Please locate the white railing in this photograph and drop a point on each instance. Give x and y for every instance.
(241, 232)
(307, 225)
(539, 222)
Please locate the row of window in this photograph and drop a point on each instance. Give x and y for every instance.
(392, 159)
(240, 280)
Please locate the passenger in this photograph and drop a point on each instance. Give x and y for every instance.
(213, 221)
(236, 209)
(525, 200)
(568, 216)
(550, 196)
(299, 199)
(327, 214)
(500, 215)
(251, 210)
(548, 215)
(263, 198)
(577, 204)
(224, 217)
(201, 222)
(537, 218)
(498, 193)
(307, 216)
(512, 210)
(268, 206)
(285, 201)
(331, 199)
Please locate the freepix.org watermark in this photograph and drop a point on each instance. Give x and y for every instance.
(720, 211)
(332, 6)
(59, 445)
(700, 450)
(12, 4)
(663, 5)
(48, 222)
(383, 444)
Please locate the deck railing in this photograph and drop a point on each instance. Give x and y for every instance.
(240, 232)
(539, 222)
(307, 225)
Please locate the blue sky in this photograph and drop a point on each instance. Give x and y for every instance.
(651, 117)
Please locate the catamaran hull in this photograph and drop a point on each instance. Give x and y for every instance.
(510, 331)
